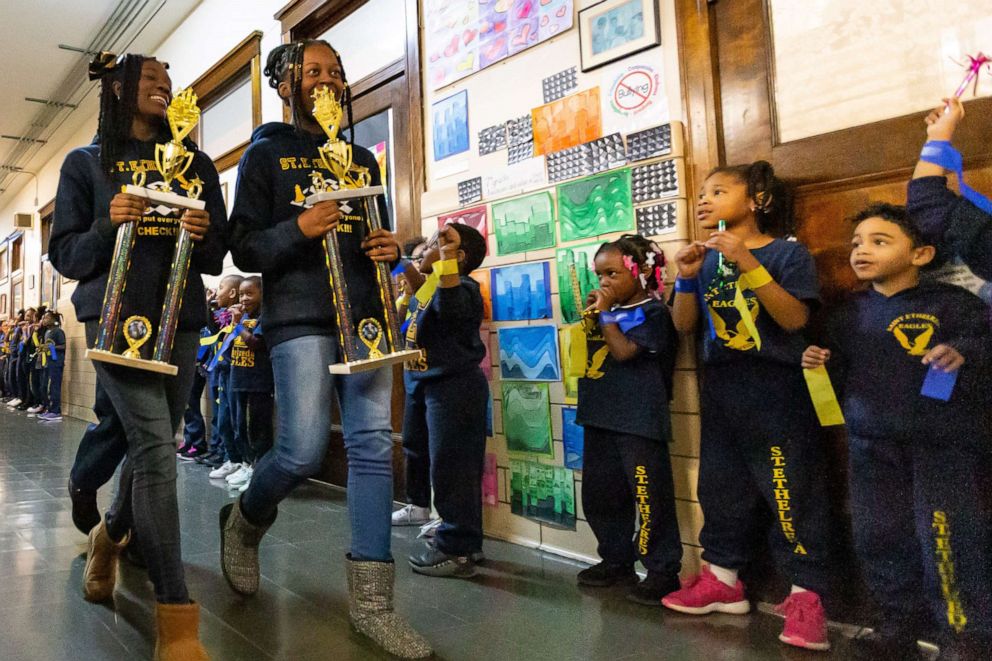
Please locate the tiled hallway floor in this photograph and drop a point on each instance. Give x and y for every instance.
(523, 605)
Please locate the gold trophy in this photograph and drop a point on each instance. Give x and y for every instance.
(380, 336)
(172, 160)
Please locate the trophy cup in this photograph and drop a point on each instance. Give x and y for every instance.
(380, 336)
(171, 160)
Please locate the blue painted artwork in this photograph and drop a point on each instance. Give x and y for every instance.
(451, 126)
(573, 438)
(529, 353)
(522, 292)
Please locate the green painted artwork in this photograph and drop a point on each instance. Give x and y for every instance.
(596, 205)
(527, 417)
(581, 258)
(543, 493)
(524, 223)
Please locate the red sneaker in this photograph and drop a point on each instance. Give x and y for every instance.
(705, 593)
(805, 621)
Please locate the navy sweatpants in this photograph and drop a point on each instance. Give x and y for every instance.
(416, 449)
(448, 415)
(253, 434)
(194, 427)
(923, 531)
(222, 425)
(629, 500)
(761, 464)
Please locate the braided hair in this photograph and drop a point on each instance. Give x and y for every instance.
(641, 253)
(285, 64)
(117, 111)
(772, 196)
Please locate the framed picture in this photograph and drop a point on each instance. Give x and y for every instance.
(614, 29)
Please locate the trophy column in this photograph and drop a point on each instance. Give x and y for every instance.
(114, 295)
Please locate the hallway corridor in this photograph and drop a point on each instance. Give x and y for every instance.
(523, 605)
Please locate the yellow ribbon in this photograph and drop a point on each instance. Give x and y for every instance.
(740, 303)
(213, 339)
(821, 392)
(446, 267)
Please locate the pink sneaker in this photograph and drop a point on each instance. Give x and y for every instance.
(805, 621)
(705, 593)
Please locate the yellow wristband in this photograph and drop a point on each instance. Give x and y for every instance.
(403, 300)
(755, 278)
(446, 267)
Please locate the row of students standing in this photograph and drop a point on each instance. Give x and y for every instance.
(32, 360)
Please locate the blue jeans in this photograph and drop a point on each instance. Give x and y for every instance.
(303, 422)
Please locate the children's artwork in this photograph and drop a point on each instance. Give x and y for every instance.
(527, 417)
(595, 205)
(524, 223)
(482, 277)
(476, 217)
(577, 260)
(658, 218)
(567, 122)
(557, 86)
(649, 143)
(519, 130)
(543, 493)
(597, 156)
(470, 191)
(492, 138)
(573, 439)
(520, 152)
(526, 176)
(464, 36)
(572, 340)
(529, 352)
(655, 181)
(450, 125)
(522, 292)
(490, 481)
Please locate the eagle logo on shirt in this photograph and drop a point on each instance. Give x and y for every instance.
(914, 332)
(739, 337)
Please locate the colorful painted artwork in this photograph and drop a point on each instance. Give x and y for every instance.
(482, 277)
(577, 260)
(465, 36)
(596, 205)
(529, 352)
(567, 122)
(543, 493)
(522, 292)
(475, 217)
(450, 121)
(573, 439)
(572, 340)
(527, 417)
(490, 481)
(524, 223)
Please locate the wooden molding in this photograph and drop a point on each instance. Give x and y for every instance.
(47, 210)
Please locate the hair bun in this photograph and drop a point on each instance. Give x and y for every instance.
(104, 63)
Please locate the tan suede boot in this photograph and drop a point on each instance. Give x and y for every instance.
(370, 607)
(100, 573)
(178, 633)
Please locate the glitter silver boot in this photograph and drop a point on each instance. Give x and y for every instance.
(239, 541)
(370, 606)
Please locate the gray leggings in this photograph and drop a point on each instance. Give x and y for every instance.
(150, 407)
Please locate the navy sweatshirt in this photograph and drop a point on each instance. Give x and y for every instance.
(447, 331)
(82, 243)
(273, 181)
(877, 344)
(952, 223)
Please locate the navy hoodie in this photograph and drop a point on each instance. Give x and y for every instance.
(877, 345)
(952, 223)
(82, 243)
(447, 331)
(273, 181)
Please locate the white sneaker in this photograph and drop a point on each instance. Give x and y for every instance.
(430, 528)
(224, 470)
(244, 487)
(411, 515)
(240, 476)
(14, 402)
(35, 410)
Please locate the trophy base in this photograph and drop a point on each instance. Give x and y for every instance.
(356, 366)
(138, 363)
(345, 194)
(168, 199)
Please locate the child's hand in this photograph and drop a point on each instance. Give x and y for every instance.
(449, 241)
(381, 246)
(237, 313)
(815, 356)
(945, 357)
(603, 299)
(730, 245)
(689, 260)
(943, 120)
(126, 208)
(319, 219)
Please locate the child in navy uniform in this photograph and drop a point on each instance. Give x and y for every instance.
(446, 398)
(760, 462)
(917, 463)
(251, 383)
(54, 347)
(224, 458)
(626, 466)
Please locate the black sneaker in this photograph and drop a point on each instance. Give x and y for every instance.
(211, 460)
(85, 512)
(434, 562)
(650, 591)
(604, 575)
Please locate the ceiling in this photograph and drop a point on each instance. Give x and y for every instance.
(34, 66)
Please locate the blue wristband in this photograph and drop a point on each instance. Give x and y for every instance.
(686, 285)
(943, 153)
